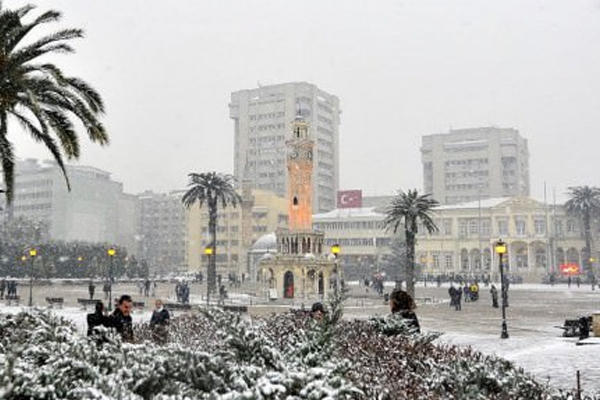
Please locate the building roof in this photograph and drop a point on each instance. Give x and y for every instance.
(265, 242)
(343, 213)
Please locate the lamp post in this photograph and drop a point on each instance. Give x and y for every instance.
(208, 250)
(500, 248)
(335, 250)
(32, 254)
(111, 253)
(79, 262)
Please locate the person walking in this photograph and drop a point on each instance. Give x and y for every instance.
(91, 289)
(121, 320)
(403, 305)
(494, 293)
(159, 321)
(458, 299)
(2, 288)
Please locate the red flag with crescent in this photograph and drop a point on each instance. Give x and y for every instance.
(349, 199)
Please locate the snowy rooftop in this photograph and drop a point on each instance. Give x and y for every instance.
(339, 213)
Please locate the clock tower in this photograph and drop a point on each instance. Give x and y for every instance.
(300, 267)
(300, 169)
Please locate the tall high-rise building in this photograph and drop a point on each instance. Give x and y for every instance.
(263, 120)
(472, 164)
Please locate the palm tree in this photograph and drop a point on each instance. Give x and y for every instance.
(37, 94)
(584, 203)
(212, 188)
(409, 209)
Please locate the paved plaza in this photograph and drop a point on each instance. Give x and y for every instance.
(534, 311)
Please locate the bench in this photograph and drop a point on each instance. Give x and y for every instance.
(138, 304)
(235, 308)
(13, 299)
(88, 302)
(178, 306)
(573, 327)
(424, 300)
(59, 301)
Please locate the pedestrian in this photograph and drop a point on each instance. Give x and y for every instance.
(106, 290)
(317, 311)
(121, 320)
(403, 305)
(185, 293)
(97, 318)
(569, 282)
(494, 293)
(147, 288)
(466, 292)
(578, 281)
(91, 289)
(457, 299)
(451, 291)
(159, 321)
(2, 288)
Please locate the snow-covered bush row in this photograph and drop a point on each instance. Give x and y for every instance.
(224, 356)
(44, 357)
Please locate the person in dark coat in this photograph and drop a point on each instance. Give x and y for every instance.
(2, 288)
(121, 320)
(91, 289)
(402, 304)
(97, 318)
(494, 293)
(159, 322)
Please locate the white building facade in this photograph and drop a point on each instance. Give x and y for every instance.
(470, 164)
(262, 124)
(89, 212)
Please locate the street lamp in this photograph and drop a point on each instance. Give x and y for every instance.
(335, 250)
(111, 253)
(208, 250)
(32, 254)
(500, 248)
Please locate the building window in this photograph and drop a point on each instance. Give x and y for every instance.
(485, 227)
(448, 261)
(473, 227)
(521, 227)
(447, 227)
(540, 226)
(502, 227)
(462, 227)
(436, 261)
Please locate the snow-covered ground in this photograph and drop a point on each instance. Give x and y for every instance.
(534, 344)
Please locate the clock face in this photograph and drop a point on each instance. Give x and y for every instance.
(294, 154)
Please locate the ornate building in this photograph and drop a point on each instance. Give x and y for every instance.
(541, 239)
(299, 268)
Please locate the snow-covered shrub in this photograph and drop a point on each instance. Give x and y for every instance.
(225, 356)
(44, 357)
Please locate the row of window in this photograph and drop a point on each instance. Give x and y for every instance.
(472, 161)
(258, 117)
(348, 225)
(473, 226)
(33, 183)
(33, 207)
(33, 195)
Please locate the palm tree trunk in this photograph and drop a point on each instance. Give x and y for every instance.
(211, 279)
(410, 260)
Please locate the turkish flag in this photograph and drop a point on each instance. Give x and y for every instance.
(349, 199)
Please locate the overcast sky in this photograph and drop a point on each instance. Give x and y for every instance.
(402, 69)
